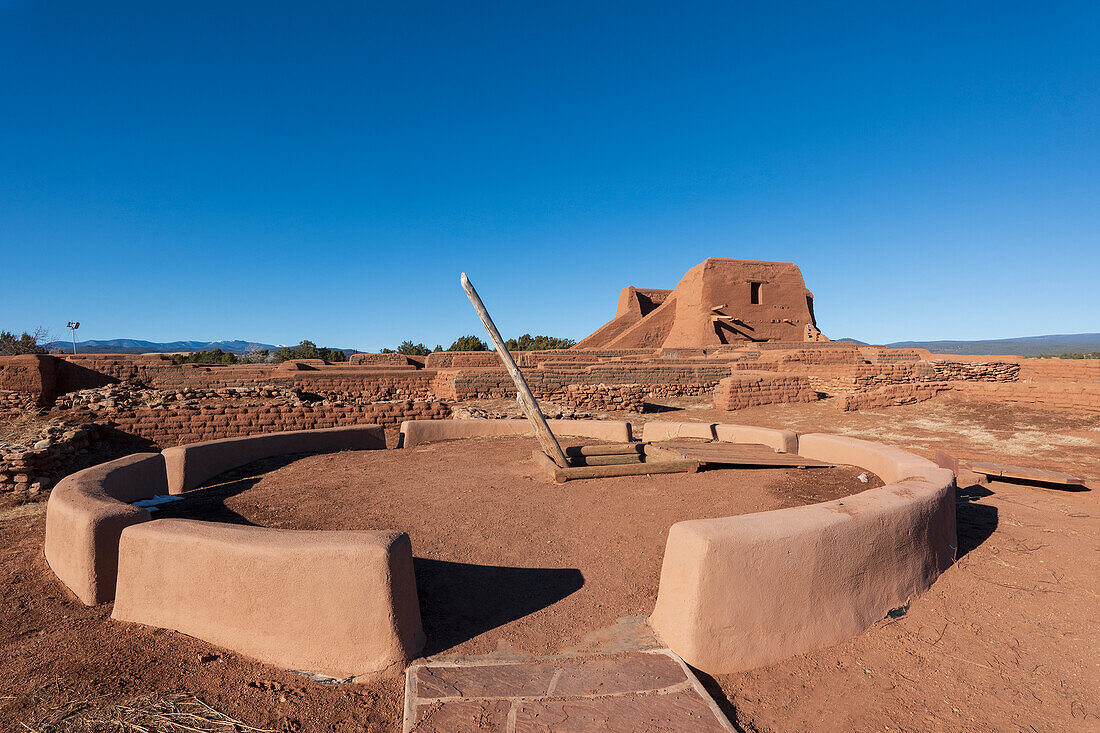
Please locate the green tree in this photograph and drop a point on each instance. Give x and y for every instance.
(468, 343)
(527, 342)
(213, 356)
(26, 343)
(408, 348)
(309, 350)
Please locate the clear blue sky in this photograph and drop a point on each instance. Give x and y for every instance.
(279, 171)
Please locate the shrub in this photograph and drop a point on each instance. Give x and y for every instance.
(527, 342)
(309, 350)
(468, 343)
(26, 343)
(408, 348)
(213, 356)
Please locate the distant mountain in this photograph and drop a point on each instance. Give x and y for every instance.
(136, 346)
(1024, 346)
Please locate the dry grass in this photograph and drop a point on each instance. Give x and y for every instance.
(180, 713)
(23, 428)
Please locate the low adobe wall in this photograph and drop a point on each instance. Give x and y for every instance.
(189, 466)
(339, 603)
(784, 441)
(415, 432)
(746, 591)
(781, 440)
(1051, 394)
(652, 431)
(751, 388)
(890, 396)
(30, 374)
(86, 514)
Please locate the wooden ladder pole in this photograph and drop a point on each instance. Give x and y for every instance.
(527, 400)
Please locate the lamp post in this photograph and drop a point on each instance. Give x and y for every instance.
(74, 325)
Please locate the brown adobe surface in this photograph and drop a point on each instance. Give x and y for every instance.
(1007, 639)
(507, 562)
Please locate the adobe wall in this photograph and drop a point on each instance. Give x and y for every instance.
(1060, 370)
(748, 389)
(30, 374)
(85, 517)
(167, 427)
(719, 301)
(1053, 394)
(340, 603)
(746, 591)
(892, 395)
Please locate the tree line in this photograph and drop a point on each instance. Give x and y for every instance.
(526, 342)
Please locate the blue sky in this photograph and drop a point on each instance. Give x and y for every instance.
(279, 171)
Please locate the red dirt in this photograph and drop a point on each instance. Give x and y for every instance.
(1007, 639)
(508, 562)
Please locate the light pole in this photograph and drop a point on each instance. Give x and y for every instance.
(74, 325)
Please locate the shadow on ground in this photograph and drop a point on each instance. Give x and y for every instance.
(1072, 488)
(207, 503)
(459, 601)
(974, 523)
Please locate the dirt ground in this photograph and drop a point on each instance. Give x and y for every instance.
(508, 562)
(1007, 639)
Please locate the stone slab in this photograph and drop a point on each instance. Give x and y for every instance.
(634, 691)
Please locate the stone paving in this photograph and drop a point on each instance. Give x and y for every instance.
(635, 691)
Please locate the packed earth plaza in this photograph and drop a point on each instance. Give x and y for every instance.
(747, 527)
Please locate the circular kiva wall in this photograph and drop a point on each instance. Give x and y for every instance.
(735, 593)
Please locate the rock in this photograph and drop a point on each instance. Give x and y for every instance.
(43, 444)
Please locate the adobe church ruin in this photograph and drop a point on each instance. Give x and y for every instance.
(719, 301)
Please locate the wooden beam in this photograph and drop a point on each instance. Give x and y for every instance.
(608, 449)
(613, 460)
(527, 400)
(561, 475)
(731, 454)
(1024, 473)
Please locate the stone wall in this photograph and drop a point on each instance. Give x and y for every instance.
(169, 426)
(748, 389)
(16, 402)
(625, 397)
(28, 470)
(982, 371)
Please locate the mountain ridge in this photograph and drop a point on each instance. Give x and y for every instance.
(1049, 344)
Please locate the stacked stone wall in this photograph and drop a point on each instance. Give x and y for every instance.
(13, 403)
(379, 360)
(625, 397)
(28, 470)
(982, 371)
